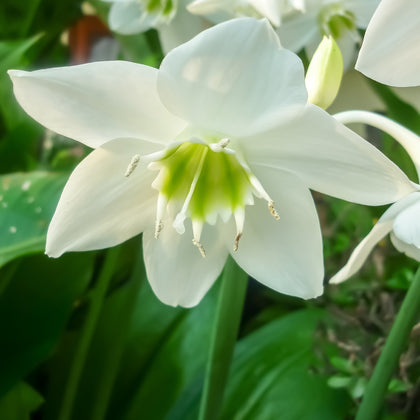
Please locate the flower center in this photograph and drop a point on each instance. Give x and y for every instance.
(202, 181)
(335, 20)
(165, 8)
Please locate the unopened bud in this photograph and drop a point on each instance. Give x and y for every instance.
(324, 73)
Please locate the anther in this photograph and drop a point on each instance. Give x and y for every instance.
(220, 145)
(158, 228)
(273, 211)
(224, 142)
(200, 248)
(132, 166)
(236, 243)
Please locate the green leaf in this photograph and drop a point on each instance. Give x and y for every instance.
(272, 374)
(12, 56)
(34, 308)
(273, 365)
(19, 402)
(27, 203)
(175, 361)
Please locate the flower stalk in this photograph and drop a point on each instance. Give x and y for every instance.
(388, 360)
(223, 338)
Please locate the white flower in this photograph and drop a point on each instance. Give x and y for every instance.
(170, 17)
(220, 10)
(221, 135)
(339, 18)
(390, 51)
(401, 220)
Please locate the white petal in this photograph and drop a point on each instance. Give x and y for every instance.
(330, 158)
(99, 207)
(238, 87)
(362, 10)
(271, 9)
(284, 254)
(408, 139)
(410, 250)
(379, 231)
(129, 17)
(298, 31)
(407, 225)
(97, 102)
(362, 251)
(182, 28)
(177, 272)
(390, 52)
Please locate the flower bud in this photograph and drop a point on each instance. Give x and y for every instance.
(324, 73)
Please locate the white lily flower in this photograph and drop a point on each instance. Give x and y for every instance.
(174, 23)
(220, 10)
(401, 220)
(221, 135)
(390, 51)
(339, 18)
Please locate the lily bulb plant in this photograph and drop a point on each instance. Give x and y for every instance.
(214, 153)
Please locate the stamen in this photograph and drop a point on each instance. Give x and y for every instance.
(236, 242)
(273, 211)
(239, 216)
(181, 216)
(197, 226)
(220, 145)
(200, 248)
(132, 166)
(161, 206)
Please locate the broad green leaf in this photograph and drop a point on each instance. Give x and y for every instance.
(175, 358)
(19, 402)
(34, 308)
(27, 203)
(273, 377)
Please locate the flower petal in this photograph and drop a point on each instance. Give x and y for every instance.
(97, 102)
(362, 251)
(129, 17)
(177, 272)
(182, 28)
(238, 87)
(330, 158)
(99, 207)
(410, 250)
(284, 254)
(407, 224)
(299, 30)
(271, 9)
(390, 52)
(362, 11)
(378, 232)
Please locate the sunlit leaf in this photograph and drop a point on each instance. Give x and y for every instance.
(27, 203)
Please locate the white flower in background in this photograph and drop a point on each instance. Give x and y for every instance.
(218, 11)
(390, 51)
(339, 18)
(221, 135)
(402, 219)
(170, 17)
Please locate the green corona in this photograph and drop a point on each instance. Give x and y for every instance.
(335, 20)
(202, 180)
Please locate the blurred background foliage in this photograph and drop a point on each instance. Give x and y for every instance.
(79, 341)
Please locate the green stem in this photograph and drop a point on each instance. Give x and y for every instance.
(96, 300)
(225, 331)
(375, 392)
